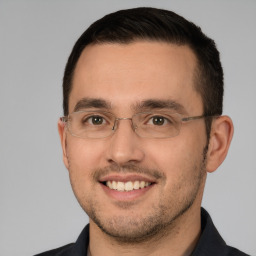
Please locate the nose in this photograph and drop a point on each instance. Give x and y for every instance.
(125, 144)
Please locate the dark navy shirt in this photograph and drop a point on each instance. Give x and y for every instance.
(210, 243)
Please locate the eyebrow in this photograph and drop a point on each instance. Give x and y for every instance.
(145, 105)
(86, 103)
(155, 104)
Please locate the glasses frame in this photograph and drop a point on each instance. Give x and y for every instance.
(65, 120)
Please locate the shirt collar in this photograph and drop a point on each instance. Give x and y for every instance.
(210, 242)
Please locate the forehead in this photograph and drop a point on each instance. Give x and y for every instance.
(126, 74)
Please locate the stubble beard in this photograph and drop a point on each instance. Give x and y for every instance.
(154, 225)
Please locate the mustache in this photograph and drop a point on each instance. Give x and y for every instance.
(125, 169)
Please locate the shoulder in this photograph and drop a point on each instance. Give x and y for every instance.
(231, 251)
(61, 251)
(211, 243)
(78, 248)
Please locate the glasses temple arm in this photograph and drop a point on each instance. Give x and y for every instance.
(185, 119)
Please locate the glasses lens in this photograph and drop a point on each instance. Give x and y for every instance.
(90, 124)
(93, 124)
(157, 125)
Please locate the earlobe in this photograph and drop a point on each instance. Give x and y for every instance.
(62, 134)
(220, 139)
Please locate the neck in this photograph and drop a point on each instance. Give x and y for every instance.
(179, 239)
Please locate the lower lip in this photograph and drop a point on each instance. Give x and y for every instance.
(126, 195)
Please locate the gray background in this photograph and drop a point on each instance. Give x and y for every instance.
(38, 210)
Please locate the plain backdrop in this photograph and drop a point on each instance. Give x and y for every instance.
(38, 210)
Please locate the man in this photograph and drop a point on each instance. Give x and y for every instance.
(143, 125)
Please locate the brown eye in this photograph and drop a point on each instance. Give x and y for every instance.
(158, 120)
(93, 120)
(96, 120)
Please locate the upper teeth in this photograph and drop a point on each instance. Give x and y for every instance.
(127, 186)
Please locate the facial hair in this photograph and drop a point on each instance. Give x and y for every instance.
(163, 214)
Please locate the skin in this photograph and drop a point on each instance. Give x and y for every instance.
(166, 218)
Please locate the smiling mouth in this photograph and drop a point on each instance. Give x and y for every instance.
(126, 186)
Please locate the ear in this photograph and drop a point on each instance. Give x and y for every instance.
(63, 136)
(220, 138)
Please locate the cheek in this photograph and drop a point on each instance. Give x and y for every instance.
(177, 156)
(84, 154)
(83, 157)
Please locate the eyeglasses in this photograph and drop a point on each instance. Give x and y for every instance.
(99, 124)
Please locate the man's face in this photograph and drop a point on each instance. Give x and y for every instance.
(125, 77)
